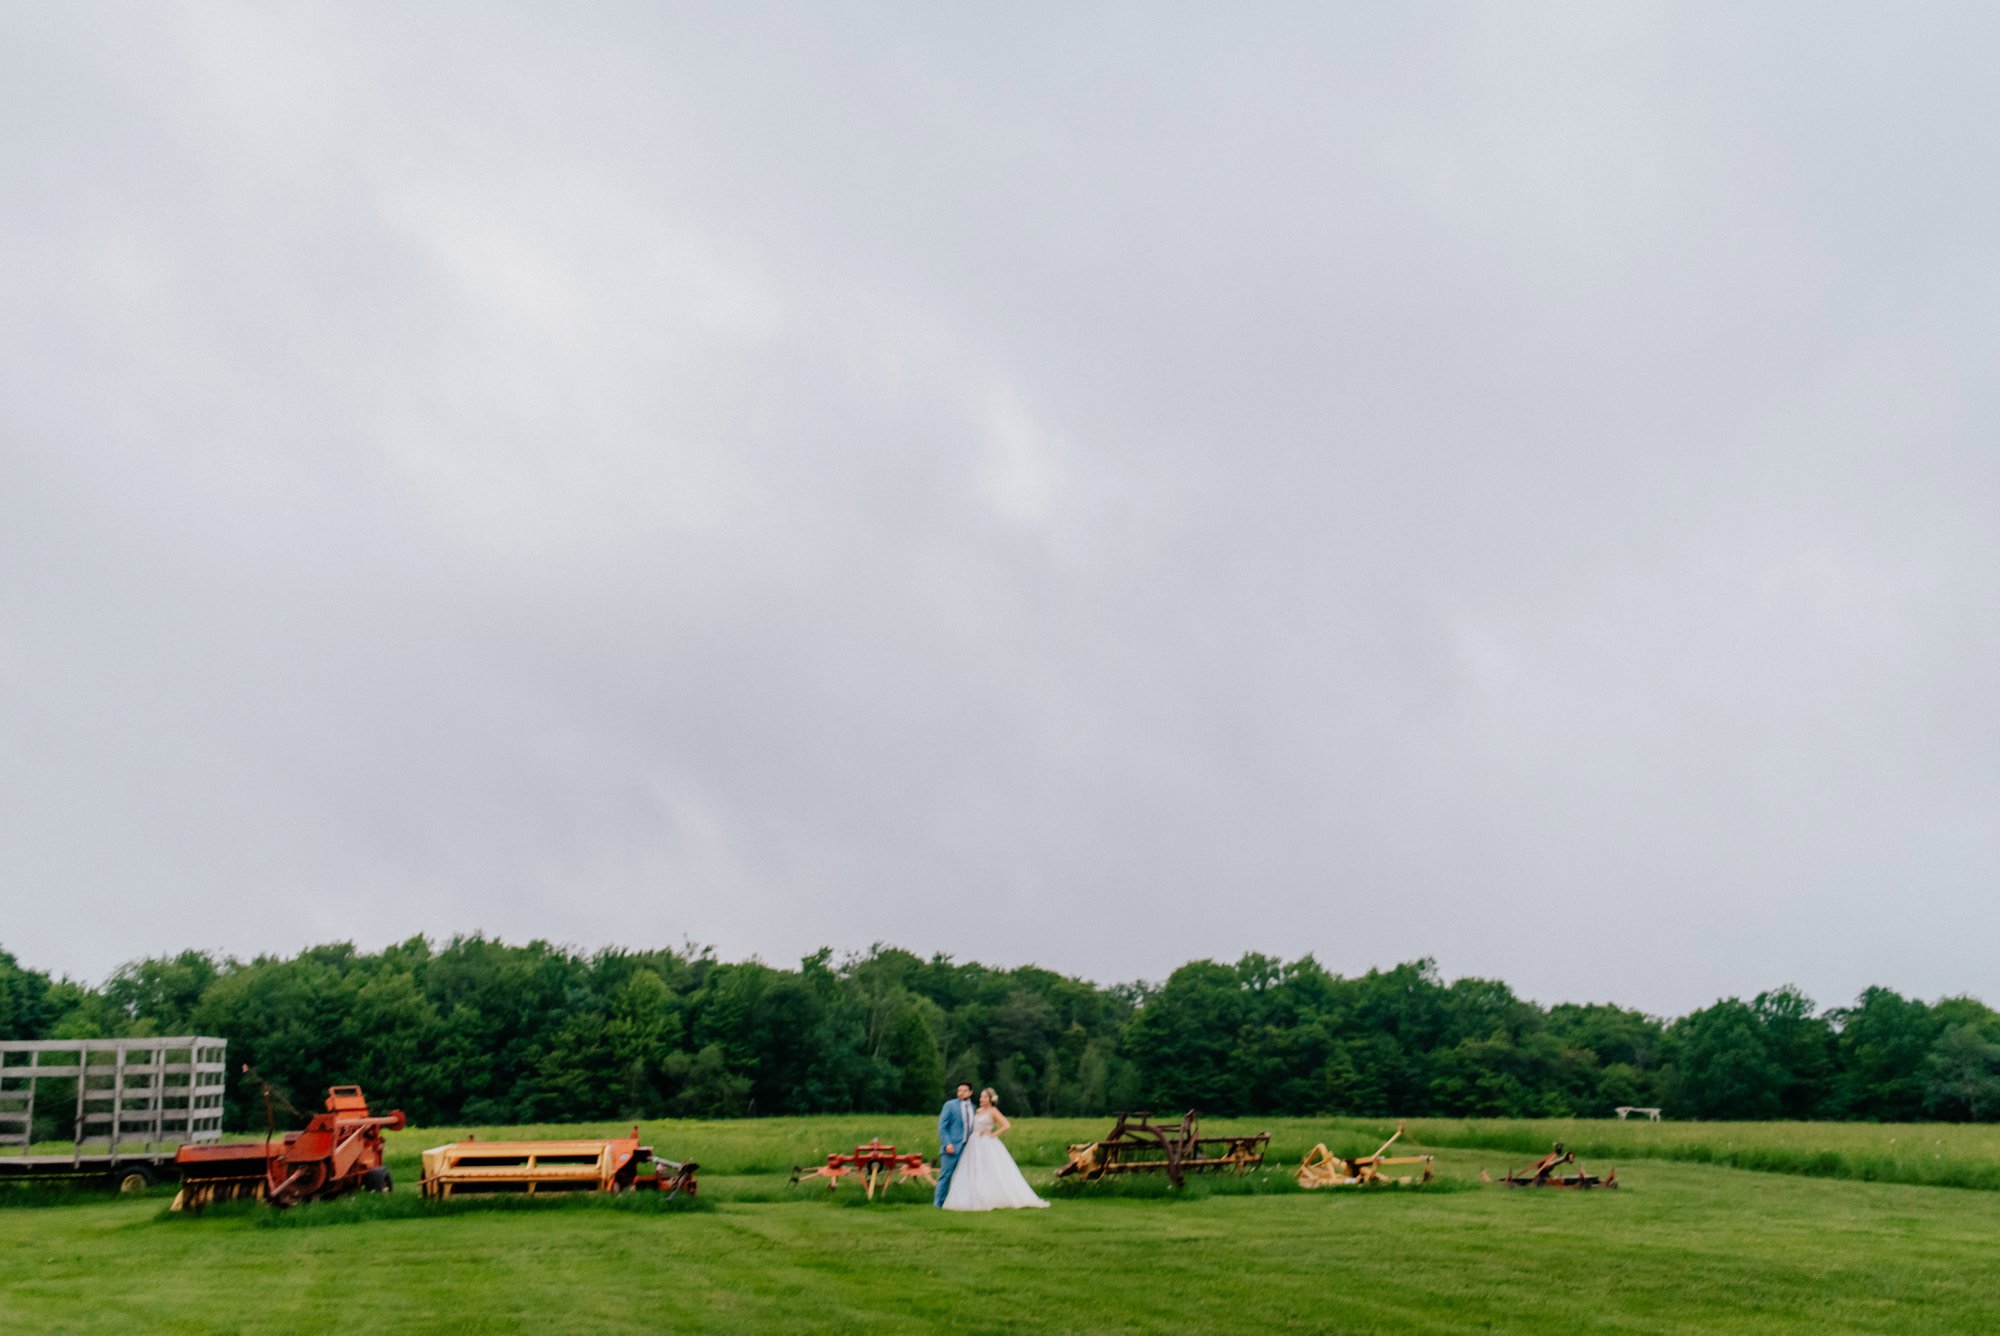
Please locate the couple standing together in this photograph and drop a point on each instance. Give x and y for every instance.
(975, 1172)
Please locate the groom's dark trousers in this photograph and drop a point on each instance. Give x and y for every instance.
(947, 1166)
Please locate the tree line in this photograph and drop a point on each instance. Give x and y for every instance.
(479, 1031)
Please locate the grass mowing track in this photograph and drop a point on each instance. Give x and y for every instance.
(1959, 1155)
(1683, 1247)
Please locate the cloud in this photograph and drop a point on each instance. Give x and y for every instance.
(1505, 486)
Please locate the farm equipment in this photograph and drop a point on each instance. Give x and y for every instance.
(1323, 1169)
(1542, 1173)
(1138, 1146)
(340, 1151)
(539, 1167)
(872, 1164)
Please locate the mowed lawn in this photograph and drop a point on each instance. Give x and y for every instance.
(1681, 1247)
(1965, 1155)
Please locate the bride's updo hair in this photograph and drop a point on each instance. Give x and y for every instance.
(992, 1094)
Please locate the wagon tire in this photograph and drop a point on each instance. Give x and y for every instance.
(133, 1178)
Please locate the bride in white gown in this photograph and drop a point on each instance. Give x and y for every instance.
(986, 1178)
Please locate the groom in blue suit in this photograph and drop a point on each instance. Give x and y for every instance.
(954, 1126)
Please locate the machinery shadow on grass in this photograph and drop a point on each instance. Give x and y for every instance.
(1155, 1187)
(34, 1196)
(1133, 1187)
(367, 1208)
(1271, 1182)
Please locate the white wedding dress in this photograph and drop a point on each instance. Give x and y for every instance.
(986, 1178)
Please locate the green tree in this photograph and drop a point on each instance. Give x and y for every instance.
(642, 1031)
(389, 1029)
(1183, 1040)
(487, 1032)
(912, 1049)
(1800, 1043)
(1883, 1042)
(1722, 1066)
(1962, 1075)
(705, 1087)
(27, 1010)
(163, 992)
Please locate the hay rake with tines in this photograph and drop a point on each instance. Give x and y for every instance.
(1137, 1145)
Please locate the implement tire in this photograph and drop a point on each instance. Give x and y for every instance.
(133, 1178)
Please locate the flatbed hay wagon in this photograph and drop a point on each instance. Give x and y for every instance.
(1137, 1145)
(124, 1106)
(535, 1168)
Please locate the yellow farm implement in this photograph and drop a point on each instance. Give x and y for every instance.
(1321, 1168)
(537, 1167)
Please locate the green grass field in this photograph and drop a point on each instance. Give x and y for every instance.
(1957, 1155)
(1681, 1247)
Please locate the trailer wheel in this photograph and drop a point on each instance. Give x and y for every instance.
(133, 1178)
(377, 1179)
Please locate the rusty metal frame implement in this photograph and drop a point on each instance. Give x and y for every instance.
(1542, 1173)
(1137, 1145)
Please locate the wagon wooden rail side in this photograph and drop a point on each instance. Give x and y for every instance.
(123, 1106)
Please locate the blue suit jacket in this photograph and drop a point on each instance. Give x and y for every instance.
(953, 1126)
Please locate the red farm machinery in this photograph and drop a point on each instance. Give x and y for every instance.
(338, 1152)
(875, 1166)
(1542, 1173)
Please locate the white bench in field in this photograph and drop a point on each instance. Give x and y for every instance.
(1623, 1109)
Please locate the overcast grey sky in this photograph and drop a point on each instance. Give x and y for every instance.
(1085, 484)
